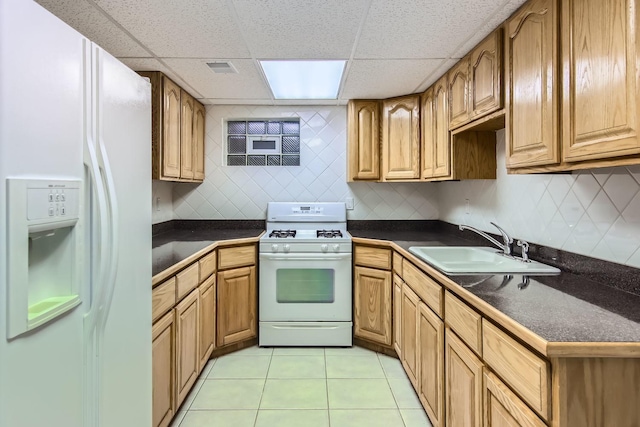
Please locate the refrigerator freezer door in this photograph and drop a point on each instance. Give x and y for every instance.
(43, 67)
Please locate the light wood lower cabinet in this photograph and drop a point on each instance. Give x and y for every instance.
(163, 361)
(431, 364)
(463, 383)
(372, 305)
(502, 408)
(207, 319)
(187, 340)
(397, 315)
(409, 333)
(236, 305)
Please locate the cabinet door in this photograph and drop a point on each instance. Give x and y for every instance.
(502, 408)
(236, 305)
(171, 129)
(459, 94)
(187, 340)
(463, 382)
(600, 100)
(532, 136)
(442, 148)
(485, 76)
(401, 138)
(397, 315)
(198, 141)
(409, 333)
(427, 133)
(431, 361)
(372, 305)
(364, 140)
(207, 319)
(163, 361)
(186, 136)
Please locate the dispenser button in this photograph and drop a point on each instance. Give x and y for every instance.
(62, 210)
(62, 197)
(57, 197)
(51, 197)
(51, 211)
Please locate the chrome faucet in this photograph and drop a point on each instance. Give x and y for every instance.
(508, 241)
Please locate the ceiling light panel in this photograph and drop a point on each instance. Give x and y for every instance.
(304, 79)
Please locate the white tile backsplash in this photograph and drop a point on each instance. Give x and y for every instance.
(243, 192)
(591, 212)
(161, 201)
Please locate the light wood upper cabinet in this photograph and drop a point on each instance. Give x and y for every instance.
(372, 305)
(410, 302)
(186, 136)
(207, 319)
(187, 341)
(364, 140)
(236, 305)
(427, 134)
(485, 76)
(463, 384)
(177, 131)
(459, 93)
(442, 146)
(601, 98)
(531, 52)
(401, 138)
(163, 361)
(170, 128)
(431, 364)
(198, 141)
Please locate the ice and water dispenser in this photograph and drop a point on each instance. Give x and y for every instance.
(44, 251)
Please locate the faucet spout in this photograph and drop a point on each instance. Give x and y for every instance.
(505, 247)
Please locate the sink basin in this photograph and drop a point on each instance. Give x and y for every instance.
(477, 260)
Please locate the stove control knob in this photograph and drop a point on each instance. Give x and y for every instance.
(286, 248)
(324, 247)
(274, 248)
(336, 248)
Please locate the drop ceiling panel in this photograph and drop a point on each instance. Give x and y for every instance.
(386, 78)
(180, 29)
(300, 29)
(421, 28)
(151, 64)
(439, 72)
(96, 26)
(247, 84)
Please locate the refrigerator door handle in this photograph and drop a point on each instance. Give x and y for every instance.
(112, 204)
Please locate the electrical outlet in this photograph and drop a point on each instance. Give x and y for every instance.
(157, 203)
(349, 203)
(467, 209)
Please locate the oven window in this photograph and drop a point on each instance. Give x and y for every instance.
(304, 285)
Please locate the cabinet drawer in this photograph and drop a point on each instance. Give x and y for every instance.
(427, 289)
(186, 281)
(236, 257)
(373, 257)
(207, 266)
(397, 263)
(163, 298)
(465, 322)
(525, 372)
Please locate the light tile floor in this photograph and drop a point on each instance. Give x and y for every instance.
(302, 387)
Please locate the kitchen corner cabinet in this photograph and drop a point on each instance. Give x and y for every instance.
(532, 135)
(236, 302)
(400, 139)
(363, 132)
(163, 367)
(207, 320)
(187, 340)
(372, 303)
(177, 134)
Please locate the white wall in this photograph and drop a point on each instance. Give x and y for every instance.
(243, 192)
(593, 212)
(162, 209)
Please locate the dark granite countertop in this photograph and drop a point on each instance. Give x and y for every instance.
(568, 307)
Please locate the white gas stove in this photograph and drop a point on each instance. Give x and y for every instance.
(305, 276)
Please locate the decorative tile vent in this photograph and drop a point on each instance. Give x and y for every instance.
(269, 142)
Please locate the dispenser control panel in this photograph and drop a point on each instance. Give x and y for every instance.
(53, 200)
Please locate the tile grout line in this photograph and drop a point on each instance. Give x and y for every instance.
(386, 377)
(326, 382)
(264, 386)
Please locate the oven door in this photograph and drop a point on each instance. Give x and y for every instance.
(305, 287)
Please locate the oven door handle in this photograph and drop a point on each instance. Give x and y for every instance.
(305, 257)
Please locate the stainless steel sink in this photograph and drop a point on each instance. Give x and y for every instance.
(477, 260)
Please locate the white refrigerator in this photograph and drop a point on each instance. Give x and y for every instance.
(75, 229)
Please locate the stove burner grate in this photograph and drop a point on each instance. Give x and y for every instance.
(329, 233)
(281, 234)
